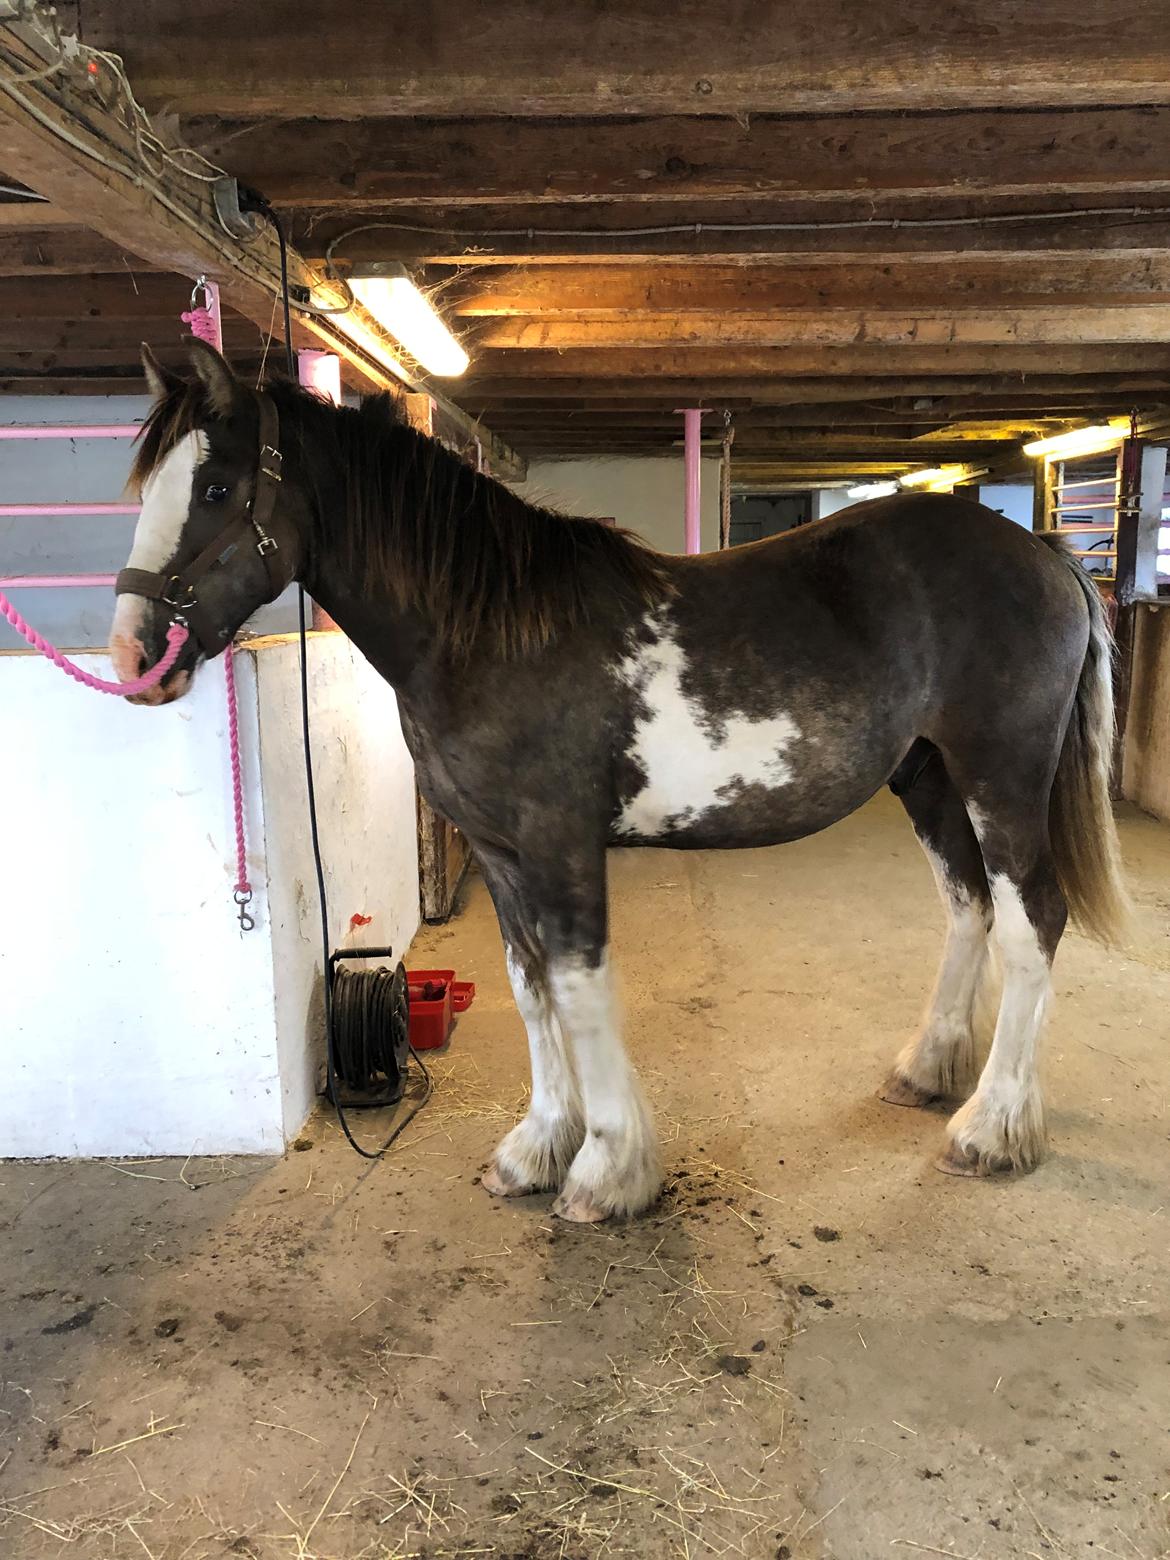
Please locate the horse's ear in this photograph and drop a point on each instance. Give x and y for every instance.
(160, 381)
(221, 384)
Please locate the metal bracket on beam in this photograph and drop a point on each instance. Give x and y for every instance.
(240, 224)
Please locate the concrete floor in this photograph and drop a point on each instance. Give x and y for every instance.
(815, 1346)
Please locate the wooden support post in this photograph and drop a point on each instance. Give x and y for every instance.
(1143, 482)
(1042, 496)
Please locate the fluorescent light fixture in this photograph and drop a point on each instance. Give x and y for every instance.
(396, 303)
(1080, 441)
(929, 475)
(941, 479)
(873, 490)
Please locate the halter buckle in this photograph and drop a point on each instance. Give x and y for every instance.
(275, 459)
(266, 544)
(189, 597)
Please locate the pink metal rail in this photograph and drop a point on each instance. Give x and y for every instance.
(54, 581)
(71, 431)
(7, 511)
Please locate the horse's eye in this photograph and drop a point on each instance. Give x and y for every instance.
(216, 493)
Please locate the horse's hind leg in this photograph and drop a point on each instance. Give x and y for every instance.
(940, 1060)
(1001, 1126)
(536, 1154)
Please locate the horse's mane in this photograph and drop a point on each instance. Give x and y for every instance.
(484, 566)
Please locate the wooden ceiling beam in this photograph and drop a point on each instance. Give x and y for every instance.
(51, 251)
(1040, 325)
(875, 227)
(600, 292)
(443, 57)
(341, 164)
(697, 366)
(86, 161)
(1029, 389)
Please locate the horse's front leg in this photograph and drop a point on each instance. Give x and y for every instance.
(588, 1125)
(536, 1154)
(617, 1169)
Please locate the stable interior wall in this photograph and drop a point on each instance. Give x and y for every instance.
(1146, 760)
(642, 494)
(67, 471)
(138, 1018)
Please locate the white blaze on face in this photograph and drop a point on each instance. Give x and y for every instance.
(691, 762)
(166, 501)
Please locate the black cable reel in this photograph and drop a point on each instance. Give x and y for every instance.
(369, 1035)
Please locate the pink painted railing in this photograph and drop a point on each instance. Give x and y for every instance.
(54, 581)
(9, 510)
(71, 431)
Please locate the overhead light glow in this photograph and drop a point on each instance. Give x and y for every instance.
(1080, 441)
(929, 475)
(398, 306)
(873, 490)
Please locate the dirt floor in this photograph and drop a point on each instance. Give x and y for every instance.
(816, 1346)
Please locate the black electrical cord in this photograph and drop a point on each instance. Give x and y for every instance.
(249, 199)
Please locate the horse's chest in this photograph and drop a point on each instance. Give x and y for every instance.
(684, 761)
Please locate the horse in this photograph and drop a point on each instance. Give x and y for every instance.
(563, 689)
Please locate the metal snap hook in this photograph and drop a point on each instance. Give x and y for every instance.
(243, 898)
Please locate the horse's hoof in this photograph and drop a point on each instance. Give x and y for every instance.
(493, 1181)
(964, 1162)
(900, 1091)
(579, 1208)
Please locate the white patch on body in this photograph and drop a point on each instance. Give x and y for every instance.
(166, 502)
(691, 761)
(617, 1169)
(1003, 1121)
(539, 1149)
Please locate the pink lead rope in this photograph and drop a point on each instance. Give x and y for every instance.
(204, 322)
(176, 639)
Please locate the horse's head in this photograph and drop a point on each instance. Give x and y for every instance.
(219, 534)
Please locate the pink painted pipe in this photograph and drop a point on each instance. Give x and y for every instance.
(692, 426)
(71, 431)
(9, 510)
(53, 581)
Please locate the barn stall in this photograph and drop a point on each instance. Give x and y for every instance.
(715, 283)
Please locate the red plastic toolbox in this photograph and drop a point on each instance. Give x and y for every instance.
(435, 997)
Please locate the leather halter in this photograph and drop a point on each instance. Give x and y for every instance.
(178, 590)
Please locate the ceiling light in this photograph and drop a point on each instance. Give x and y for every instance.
(930, 475)
(873, 490)
(388, 293)
(1080, 441)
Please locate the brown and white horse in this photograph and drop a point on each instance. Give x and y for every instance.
(564, 689)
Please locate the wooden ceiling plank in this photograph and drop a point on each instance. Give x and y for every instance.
(344, 165)
(612, 291)
(436, 57)
(1066, 325)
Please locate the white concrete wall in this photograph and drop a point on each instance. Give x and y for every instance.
(137, 1018)
(66, 471)
(366, 812)
(1013, 499)
(643, 494)
(827, 501)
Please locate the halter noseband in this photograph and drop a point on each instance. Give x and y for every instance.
(178, 591)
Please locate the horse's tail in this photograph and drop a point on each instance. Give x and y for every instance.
(1080, 814)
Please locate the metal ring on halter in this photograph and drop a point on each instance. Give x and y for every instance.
(189, 597)
(200, 287)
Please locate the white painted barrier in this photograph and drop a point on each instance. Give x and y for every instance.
(135, 1017)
